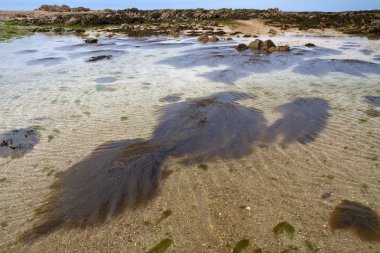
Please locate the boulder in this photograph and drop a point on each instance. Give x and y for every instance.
(213, 39)
(256, 44)
(309, 45)
(241, 47)
(279, 49)
(267, 44)
(91, 40)
(203, 38)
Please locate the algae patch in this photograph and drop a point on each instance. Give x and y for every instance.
(284, 227)
(161, 247)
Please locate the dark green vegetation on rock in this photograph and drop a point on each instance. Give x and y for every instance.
(8, 31)
(284, 227)
(241, 245)
(362, 220)
(158, 22)
(161, 247)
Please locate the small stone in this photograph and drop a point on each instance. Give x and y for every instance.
(91, 40)
(326, 195)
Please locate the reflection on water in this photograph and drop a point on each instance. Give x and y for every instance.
(242, 64)
(364, 222)
(321, 67)
(303, 120)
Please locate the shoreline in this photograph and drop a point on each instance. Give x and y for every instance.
(194, 22)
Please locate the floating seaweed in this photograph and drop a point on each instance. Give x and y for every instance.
(17, 143)
(362, 220)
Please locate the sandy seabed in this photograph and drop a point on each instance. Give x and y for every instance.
(211, 207)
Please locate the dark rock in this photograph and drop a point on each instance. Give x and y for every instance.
(80, 30)
(309, 45)
(100, 57)
(91, 40)
(241, 47)
(256, 44)
(267, 44)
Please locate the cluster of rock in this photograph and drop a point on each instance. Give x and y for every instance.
(267, 46)
(351, 22)
(204, 38)
(61, 8)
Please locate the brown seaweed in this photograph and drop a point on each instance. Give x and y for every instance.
(303, 120)
(362, 220)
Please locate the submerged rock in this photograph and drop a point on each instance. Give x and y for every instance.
(91, 40)
(241, 47)
(17, 143)
(99, 58)
(309, 45)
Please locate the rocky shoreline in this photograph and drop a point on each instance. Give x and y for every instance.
(134, 22)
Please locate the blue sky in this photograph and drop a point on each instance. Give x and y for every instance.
(287, 5)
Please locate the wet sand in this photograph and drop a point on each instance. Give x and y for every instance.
(207, 208)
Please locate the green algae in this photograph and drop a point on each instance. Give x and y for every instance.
(203, 166)
(50, 137)
(241, 245)
(124, 118)
(284, 227)
(10, 30)
(165, 214)
(161, 247)
(310, 247)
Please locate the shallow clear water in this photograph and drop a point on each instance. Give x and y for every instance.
(306, 115)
